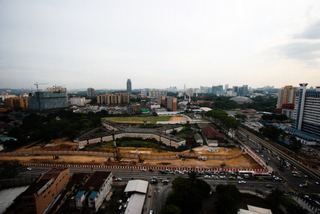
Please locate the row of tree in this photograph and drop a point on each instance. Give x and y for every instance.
(223, 117)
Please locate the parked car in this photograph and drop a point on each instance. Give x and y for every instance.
(242, 182)
(118, 179)
(269, 186)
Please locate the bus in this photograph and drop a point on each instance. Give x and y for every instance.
(262, 176)
(246, 174)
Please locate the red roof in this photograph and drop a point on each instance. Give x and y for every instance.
(210, 133)
(288, 106)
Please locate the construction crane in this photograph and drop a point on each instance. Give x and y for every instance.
(141, 159)
(116, 154)
(37, 84)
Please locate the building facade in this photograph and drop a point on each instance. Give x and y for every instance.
(91, 92)
(286, 95)
(307, 110)
(118, 98)
(39, 195)
(172, 103)
(95, 190)
(16, 103)
(48, 100)
(129, 86)
(79, 101)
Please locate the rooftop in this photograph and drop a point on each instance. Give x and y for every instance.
(95, 181)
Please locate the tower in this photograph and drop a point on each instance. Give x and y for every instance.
(129, 87)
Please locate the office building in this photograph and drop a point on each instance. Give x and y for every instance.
(217, 89)
(172, 103)
(52, 98)
(190, 92)
(153, 93)
(16, 103)
(307, 110)
(91, 92)
(129, 86)
(43, 192)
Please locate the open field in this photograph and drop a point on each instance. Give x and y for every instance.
(150, 119)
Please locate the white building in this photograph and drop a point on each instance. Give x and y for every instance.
(144, 93)
(79, 101)
(97, 187)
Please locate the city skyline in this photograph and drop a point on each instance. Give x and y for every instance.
(82, 44)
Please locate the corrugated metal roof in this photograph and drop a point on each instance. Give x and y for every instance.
(93, 194)
(80, 194)
(135, 204)
(139, 186)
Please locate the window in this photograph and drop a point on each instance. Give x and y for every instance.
(44, 196)
(52, 194)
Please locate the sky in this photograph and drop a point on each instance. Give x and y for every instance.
(158, 44)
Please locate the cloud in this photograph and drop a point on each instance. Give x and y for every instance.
(311, 32)
(302, 50)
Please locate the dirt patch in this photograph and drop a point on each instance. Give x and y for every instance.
(176, 119)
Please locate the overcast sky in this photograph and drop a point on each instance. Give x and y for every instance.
(159, 44)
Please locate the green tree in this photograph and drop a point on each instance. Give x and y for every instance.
(171, 209)
(228, 196)
(275, 196)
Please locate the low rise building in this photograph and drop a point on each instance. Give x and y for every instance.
(94, 191)
(40, 195)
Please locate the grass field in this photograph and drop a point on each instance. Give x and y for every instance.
(150, 119)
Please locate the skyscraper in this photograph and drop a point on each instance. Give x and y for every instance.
(286, 95)
(307, 110)
(129, 86)
(91, 92)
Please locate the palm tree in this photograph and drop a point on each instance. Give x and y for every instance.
(275, 196)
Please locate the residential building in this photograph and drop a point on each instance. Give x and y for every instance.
(211, 136)
(16, 103)
(94, 190)
(153, 93)
(52, 98)
(172, 103)
(6, 96)
(41, 194)
(118, 98)
(190, 92)
(144, 93)
(286, 95)
(129, 86)
(162, 100)
(91, 92)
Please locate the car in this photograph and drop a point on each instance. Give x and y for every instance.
(151, 212)
(269, 186)
(29, 168)
(165, 181)
(232, 177)
(242, 182)
(151, 170)
(118, 179)
(239, 177)
(143, 170)
(303, 185)
(268, 159)
(222, 177)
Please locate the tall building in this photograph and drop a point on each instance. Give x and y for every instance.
(129, 87)
(91, 92)
(307, 110)
(235, 90)
(217, 89)
(244, 91)
(52, 98)
(162, 100)
(40, 194)
(172, 103)
(144, 93)
(286, 95)
(226, 86)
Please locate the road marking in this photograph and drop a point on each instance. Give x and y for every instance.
(288, 187)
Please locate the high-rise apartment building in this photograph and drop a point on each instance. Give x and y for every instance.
(91, 92)
(172, 103)
(307, 110)
(286, 95)
(129, 87)
(14, 103)
(118, 98)
(144, 93)
(162, 100)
